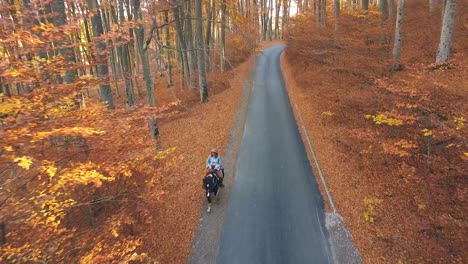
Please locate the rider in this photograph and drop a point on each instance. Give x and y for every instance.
(213, 164)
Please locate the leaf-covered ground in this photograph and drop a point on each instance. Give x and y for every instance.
(393, 145)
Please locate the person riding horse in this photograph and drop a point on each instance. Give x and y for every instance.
(213, 165)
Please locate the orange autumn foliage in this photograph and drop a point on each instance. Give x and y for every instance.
(394, 137)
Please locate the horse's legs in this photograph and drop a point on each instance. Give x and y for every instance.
(209, 208)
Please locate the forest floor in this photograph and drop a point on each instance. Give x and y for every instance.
(392, 145)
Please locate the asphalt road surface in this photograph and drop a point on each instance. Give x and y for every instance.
(275, 212)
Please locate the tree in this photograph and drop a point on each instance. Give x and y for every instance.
(365, 5)
(432, 5)
(201, 53)
(183, 47)
(223, 34)
(391, 10)
(102, 68)
(383, 10)
(398, 38)
(168, 49)
(443, 53)
(337, 14)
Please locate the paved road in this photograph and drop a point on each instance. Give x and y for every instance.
(275, 212)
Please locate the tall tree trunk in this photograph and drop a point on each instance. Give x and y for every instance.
(191, 52)
(210, 11)
(144, 55)
(183, 51)
(58, 6)
(432, 5)
(102, 68)
(201, 53)
(278, 7)
(284, 18)
(397, 44)
(391, 10)
(337, 14)
(324, 12)
(443, 53)
(319, 12)
(126, 61)
(170, 83)
(383, 10)
(223, 34)
(365, 5)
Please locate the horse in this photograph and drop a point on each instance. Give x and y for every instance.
(211, 186)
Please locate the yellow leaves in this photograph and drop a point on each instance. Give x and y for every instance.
(328, 113)
(24, 162)
(11, 73)
(47, 27)
(8, 148)
(163, 154)
(399, 148)
(459, 122)
(427, 132)
(49, 169)
(84, 173)
(114, 233)
(83, 131)
(66, 105)
(9, 106)
(370, 204)
(384, 119)
(421, 206)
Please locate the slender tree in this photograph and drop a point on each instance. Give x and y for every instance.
(337, 14)
(223, 34)
(365, 5)
(443, 53)
(170, 83)
(201, 53)
(183, 47)
(398, 38)
(102, 68)
(432, 5)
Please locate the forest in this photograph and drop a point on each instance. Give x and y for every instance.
(108, 109)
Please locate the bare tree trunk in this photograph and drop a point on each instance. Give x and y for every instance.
(191, 52)
(183, 51)
(278, 7)
(391, 10)
(365, 5)
(337, 14)
(223, 33)
(319, 12)
(60, 19)
(210, 12)
(383, 10)
(270, 24)
(398, 38)
(125, 61)
(443, 53)
(432, 5)
(170, 83)
(144, 55)
(102, 68)
(201, 53)
(285, 16)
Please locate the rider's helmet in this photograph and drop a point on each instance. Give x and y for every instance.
(214, 150)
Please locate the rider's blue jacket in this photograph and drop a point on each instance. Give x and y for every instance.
(213, 161)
